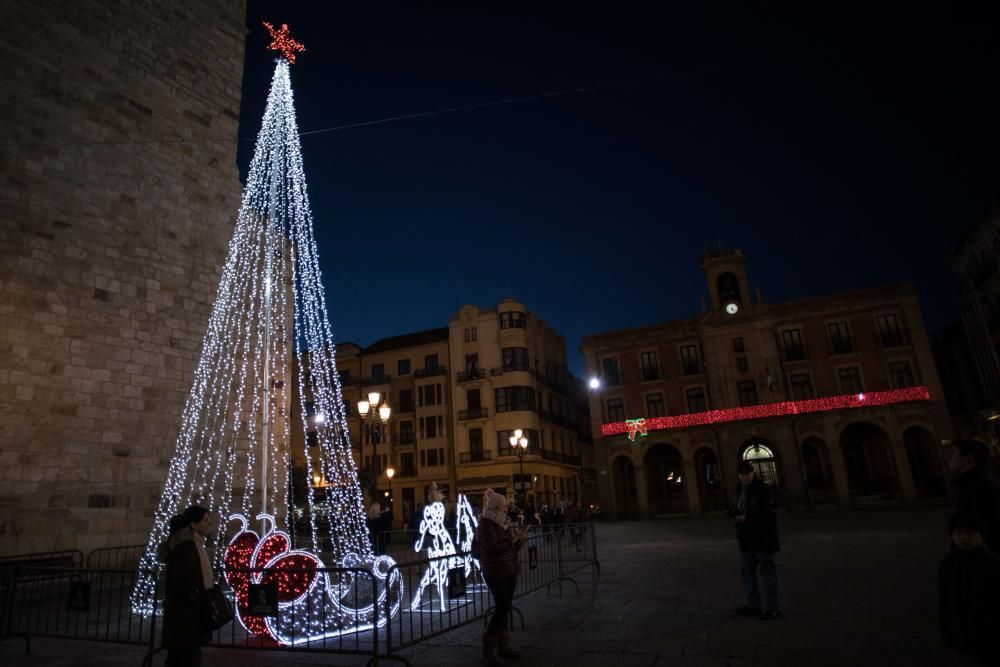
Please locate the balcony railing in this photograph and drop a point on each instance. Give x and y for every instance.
(793, 354)
(560, 457)
(475, 457)
(406, 472)
(472, 375)
(407, 438)
(510, 451)
(473, 413)
(375, 380)
(430, 372)
(692, 368)
(842, 347)
(556, 419)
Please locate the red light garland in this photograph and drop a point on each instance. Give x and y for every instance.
(282, 41)
(849, 401)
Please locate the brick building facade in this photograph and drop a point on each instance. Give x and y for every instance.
(118, 194)
(742, 354)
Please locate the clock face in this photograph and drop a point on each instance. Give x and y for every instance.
(732, 308)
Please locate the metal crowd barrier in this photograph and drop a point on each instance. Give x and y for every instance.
(75, 603)
(64, 559)
(333, 629)
(116, 558)
(453, 591)
(439, 594)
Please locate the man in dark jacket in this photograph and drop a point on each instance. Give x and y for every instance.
(978, 491)
(969, 593)
(757, 532)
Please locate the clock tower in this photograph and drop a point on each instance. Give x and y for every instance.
(726, 274)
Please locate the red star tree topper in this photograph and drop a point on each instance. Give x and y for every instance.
(282, 41)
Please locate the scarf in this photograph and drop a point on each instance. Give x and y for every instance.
(501, 520)
(206, 566)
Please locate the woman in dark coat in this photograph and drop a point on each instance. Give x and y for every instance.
(496, 545)
(188, 574)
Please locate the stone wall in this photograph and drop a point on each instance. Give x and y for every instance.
(118, 194)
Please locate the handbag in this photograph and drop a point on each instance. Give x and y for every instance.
(215, 609)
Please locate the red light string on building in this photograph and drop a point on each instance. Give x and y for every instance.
(783, 409)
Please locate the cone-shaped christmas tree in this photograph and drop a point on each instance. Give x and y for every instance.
(269, 327)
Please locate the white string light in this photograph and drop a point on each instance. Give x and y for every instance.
(233, 450)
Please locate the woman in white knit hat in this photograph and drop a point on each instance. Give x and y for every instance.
(497, 543)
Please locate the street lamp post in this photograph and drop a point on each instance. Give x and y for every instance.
(520, 442)
(375, 415)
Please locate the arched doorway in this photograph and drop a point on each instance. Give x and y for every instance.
(761, 455)
(870, 472)
(626, 498)
(710, 486)
(665, 483)
(925, 463)
(817, 469)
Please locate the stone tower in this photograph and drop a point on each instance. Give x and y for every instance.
(118, 194)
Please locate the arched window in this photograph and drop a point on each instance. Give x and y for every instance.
(729, 288)
(761, 457)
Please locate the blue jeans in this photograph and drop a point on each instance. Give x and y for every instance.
(768, 572)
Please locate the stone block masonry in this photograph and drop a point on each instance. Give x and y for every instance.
(118, 194)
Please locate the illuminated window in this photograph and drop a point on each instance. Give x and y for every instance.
(761, 457)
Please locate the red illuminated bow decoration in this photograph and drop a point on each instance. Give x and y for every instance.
(636, 427)
(293, 572)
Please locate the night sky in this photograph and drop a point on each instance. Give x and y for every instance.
(837, 150)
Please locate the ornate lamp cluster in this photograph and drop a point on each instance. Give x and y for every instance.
(375, 414)
(519, 443)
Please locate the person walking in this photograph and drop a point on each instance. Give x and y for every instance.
(757, 533)
(188, 575)
(978, 491)
(496, 545)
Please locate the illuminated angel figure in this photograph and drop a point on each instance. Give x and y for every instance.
(435, 538)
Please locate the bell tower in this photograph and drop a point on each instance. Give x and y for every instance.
(726, 275)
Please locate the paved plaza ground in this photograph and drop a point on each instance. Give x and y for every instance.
(859, 589)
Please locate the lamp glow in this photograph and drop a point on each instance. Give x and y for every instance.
(384, 412)
(390, 472)
(595, 383)
(374, 397)
(363, 407)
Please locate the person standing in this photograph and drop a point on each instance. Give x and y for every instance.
(757, 533)
(969, 593)
(496, 545)
(188, 574)
(978, 492)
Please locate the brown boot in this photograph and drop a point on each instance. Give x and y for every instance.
(490, 650)
(503, 646)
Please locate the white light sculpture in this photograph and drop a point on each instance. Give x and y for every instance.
(434, 536)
